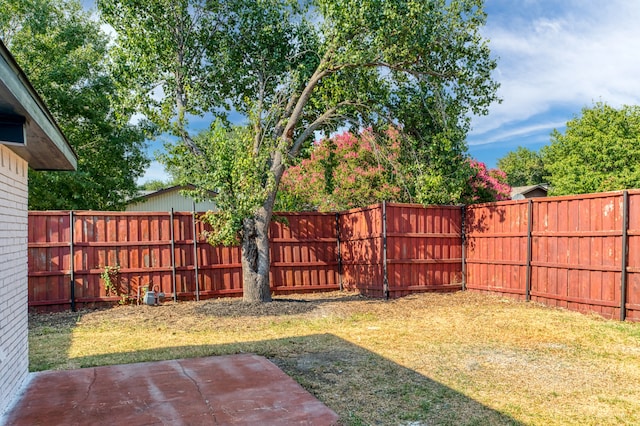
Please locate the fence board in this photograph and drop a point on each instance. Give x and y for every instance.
(50, 256)
(304, 252)
(576, 259)
(496, 247)
(103, 239)
(424, 248)
(633, 265)
(361, 250)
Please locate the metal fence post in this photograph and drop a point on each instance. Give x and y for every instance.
(173, 257)
(72, 265)
(529, 248)
(463, 239)
(624, 255)
(195, 253)
(338, 249)
(385, 282)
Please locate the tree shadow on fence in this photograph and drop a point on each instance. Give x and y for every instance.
(361, 386)
(479, 220)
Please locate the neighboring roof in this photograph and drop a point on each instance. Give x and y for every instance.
(524, 190)
(46, 147)
(146, 194)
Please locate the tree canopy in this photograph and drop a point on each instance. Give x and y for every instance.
(522, 167)
(64, 54)
(291, 69)
(599, 151)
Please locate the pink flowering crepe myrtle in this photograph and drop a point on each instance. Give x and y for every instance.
(358, 167)
(488, 184)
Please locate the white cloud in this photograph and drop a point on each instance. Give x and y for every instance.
(519, 132)
(571, 57)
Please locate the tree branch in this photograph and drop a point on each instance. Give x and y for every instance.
(400, 66)
(296, 104)
(190, 142)
(257, 120)
(296, 113)
(326, 116)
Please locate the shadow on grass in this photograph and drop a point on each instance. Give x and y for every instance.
(359, 385)
(57, 330)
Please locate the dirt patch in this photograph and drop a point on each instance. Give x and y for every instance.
(280, 306)
(169, 311)
(55, 320)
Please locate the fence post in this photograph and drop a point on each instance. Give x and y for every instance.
(339, 254)
(463, 239)
(195, 252)
(173, 257)
(529, 248)
(72, 265)
(624, 254)
(385, 282)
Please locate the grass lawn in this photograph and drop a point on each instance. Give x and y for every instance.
(461, 358)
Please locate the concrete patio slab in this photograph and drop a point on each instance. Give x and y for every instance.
(224, 390)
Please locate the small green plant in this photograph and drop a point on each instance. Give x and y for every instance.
(109, 276)
(124, 299)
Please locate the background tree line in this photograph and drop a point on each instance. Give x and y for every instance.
(65, 56)
(599, 151)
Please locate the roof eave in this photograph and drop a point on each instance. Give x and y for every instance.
(46, 147)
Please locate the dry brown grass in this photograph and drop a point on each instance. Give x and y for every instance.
(460, 358)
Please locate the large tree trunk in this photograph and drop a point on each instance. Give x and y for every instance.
(255, 257)
(256, 261)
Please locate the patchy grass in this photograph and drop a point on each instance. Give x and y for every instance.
(460, 358)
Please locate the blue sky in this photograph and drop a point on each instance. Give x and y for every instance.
(554, 58)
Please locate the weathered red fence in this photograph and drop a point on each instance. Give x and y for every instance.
(391, 250)
(361, 250)
(632, 265)
(579, 252)
(304, 253)
(424, 248)
(309, 252)
(158, 250)
(496, 247)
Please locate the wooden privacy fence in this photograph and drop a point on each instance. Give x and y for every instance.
(392, 250)
(374, 250)
(579, 252)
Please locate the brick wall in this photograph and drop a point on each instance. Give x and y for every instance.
(14, 357)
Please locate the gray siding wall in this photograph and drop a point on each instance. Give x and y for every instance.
(165, 202)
